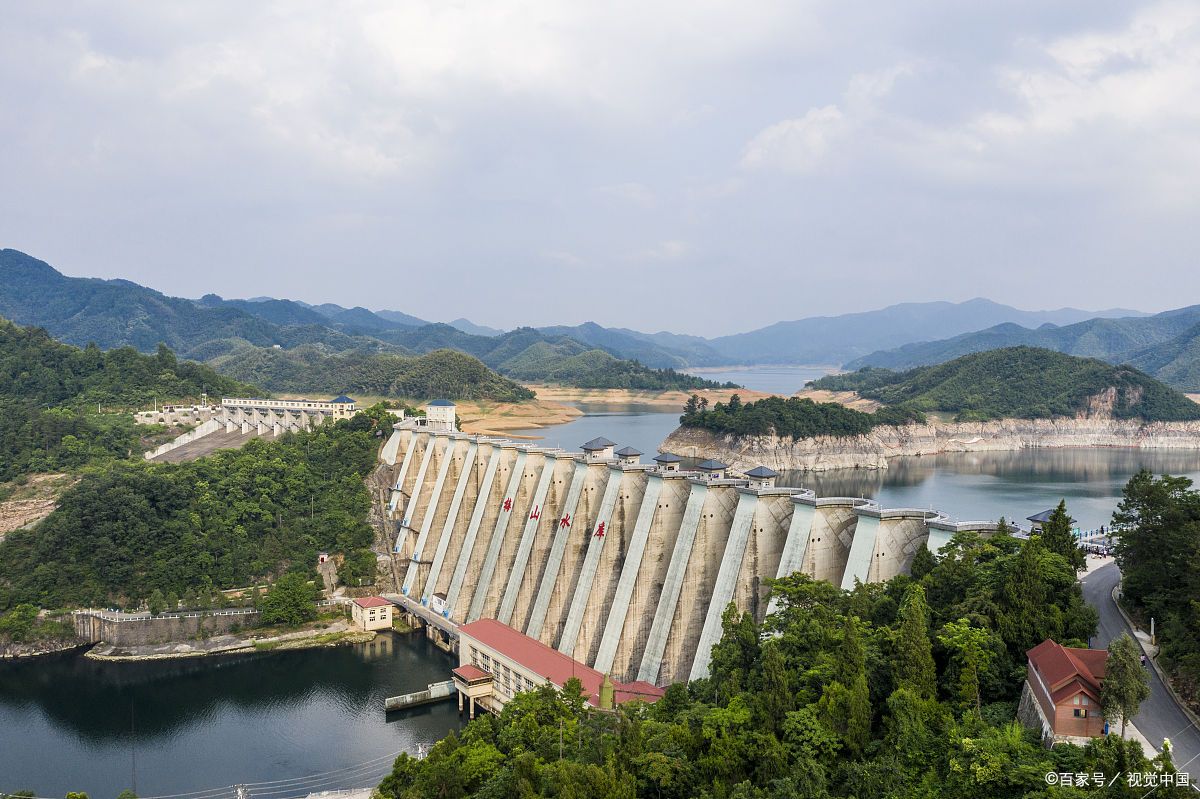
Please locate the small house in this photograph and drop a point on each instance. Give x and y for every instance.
(629, 456)
(598, 449)
(440, 415)
(1065, 685)
(1038, 520)
(712, 470)
(371, 613)
(762, 477)
(668, 462)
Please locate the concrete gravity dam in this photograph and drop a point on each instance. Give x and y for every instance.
(625, 566)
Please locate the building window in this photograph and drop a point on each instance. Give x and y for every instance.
(1081, 713)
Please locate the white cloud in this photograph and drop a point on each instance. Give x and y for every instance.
(796, 145)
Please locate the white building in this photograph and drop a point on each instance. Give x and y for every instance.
(440, 414)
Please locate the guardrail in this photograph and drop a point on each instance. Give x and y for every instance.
(143, 615)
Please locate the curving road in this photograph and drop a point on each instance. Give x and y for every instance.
(1160, 717)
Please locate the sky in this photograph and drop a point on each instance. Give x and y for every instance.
(695, 166)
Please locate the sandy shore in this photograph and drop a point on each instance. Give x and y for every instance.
(554, 406)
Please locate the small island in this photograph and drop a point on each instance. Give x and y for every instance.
(1005, 399)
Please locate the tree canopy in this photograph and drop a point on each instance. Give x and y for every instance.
(1021, 383)
(222, 521)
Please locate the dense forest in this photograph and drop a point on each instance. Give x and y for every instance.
(598, 369)
(441, 373)
(895, 690)
(49, 393)
(1157, 550)
(793, 417)
(224, 521)
(1020, 383)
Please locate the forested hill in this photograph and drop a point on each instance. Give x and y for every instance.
(116, 313)
(1023, 383)
(441, 373)
(1160, 345)
(49, 394)
(224, 521)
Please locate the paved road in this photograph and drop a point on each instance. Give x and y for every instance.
(1160, 717)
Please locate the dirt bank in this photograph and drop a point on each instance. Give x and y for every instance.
(32, 501)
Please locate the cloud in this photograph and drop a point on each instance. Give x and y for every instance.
(668, 250)
(796, 145)
(231, 148)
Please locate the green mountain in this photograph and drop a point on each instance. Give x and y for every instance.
(115, 313)
(1175, 362)
(49, 394)
(440, 373)
(1020, 382)
(1114, 340)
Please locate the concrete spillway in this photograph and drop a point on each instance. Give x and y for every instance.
(625, 566)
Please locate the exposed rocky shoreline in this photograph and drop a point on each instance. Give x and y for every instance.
(872, 451)
(33, 649)
(335, 635)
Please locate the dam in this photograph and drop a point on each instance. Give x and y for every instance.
(623, 565)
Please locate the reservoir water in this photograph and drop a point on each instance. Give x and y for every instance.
(773, 379)
(72, 724)
(67, 723)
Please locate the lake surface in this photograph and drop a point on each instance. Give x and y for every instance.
(65, 721)
(640, 426)
(774, 379)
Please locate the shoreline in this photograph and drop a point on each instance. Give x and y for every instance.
(557, 405)
(229, 645)
(873, 450)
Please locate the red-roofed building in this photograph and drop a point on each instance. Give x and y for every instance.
(511, 661)
(1064, 684)
(371, 613)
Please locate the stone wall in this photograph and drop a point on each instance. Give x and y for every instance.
(123, 629)
(873, 450)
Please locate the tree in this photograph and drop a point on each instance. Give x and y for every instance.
(1058, 536)
(157, 602)
(17, 625)
(969, 647)
(845, 706)
(914, 651)
(922, 563)
(290, 601)
(1126, 684)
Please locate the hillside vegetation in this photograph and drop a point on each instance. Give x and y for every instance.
(441, 373)
(793, 417)
(1022, 383)
(223, 521)
(49, 394)
(1162, 345)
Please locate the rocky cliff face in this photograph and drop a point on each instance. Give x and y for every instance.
(872, 451)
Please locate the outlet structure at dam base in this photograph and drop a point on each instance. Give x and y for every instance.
(623, 565)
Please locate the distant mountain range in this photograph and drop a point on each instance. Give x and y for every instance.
(117, 313)
(1165, 345)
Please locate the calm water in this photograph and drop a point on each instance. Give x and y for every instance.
(775, 379)
(642, 427)
(207, 723)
